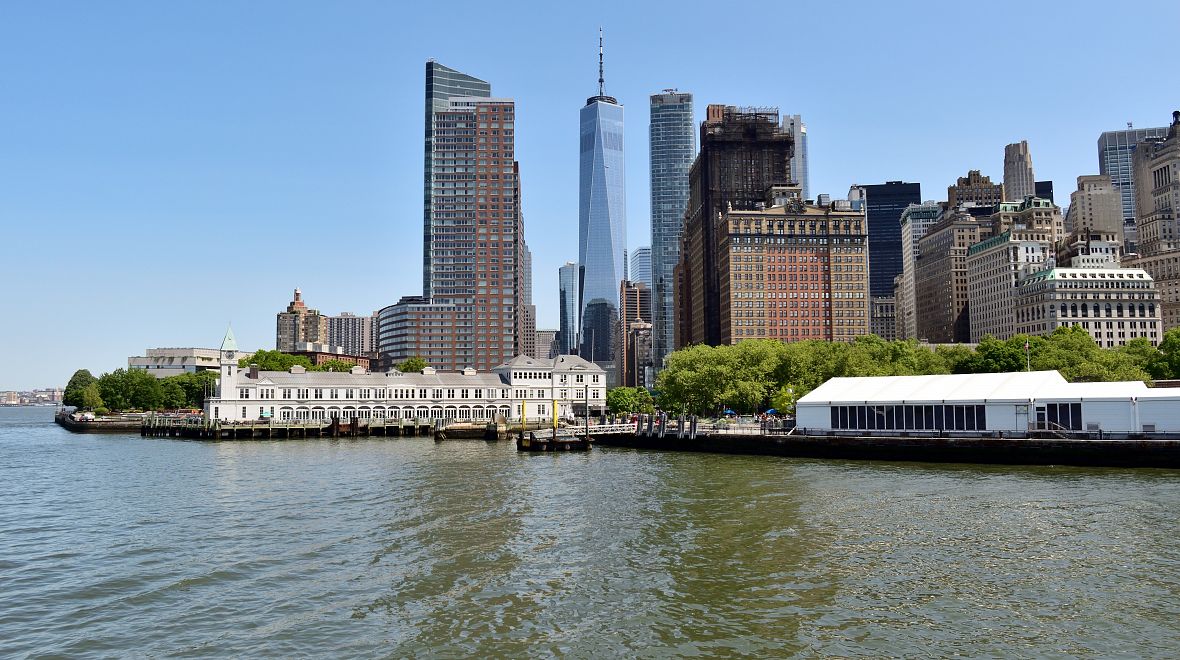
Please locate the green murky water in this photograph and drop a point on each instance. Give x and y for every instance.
(120, 546)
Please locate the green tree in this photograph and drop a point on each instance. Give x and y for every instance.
(755, 374)
(412, 365)
(620, 400)
(646, 404)
(629, 400)
(74, 389)
(994, 355)
(195, 386)
(144, 390)
(274, 361)
(114, 388)
(173, 395)
(335, 365)
(693, 380)
(784, 400)
(1139, 352)
(90, 398)
(1166, 365)
(136, 389)
(956, 359)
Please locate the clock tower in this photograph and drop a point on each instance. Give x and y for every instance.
(229, 363)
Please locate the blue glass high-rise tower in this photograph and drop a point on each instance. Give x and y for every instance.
(567, 309)
(602, 220)
(1114, 160)
(641, 268)
(673, 145)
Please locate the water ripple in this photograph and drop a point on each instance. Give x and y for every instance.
(121, 546)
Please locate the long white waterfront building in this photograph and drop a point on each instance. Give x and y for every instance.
(973, 403)
(532, 388)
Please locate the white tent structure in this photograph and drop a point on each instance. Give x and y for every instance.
(970, 403)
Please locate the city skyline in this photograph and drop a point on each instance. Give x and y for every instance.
(163, 143)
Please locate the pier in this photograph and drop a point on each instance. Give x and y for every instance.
(570, 438)
(1036, 448)
(157, 426)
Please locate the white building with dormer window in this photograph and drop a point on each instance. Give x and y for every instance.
(533, 388)
(1114, 305)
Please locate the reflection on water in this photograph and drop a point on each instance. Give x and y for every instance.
(118, 545)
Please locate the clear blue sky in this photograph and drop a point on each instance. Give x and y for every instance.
(168, 168)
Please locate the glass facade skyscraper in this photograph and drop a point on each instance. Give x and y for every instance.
(602, 221)
(884, 204)
(673, 146)
(799, 174)
(442, 83)
(641, 268)
(567, 309)
(1114, 160)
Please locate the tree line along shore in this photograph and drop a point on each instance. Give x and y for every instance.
(752, 376)
(124, 390)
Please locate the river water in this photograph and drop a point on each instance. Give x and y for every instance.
(122, 546)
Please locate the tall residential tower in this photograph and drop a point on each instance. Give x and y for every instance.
(475, 315)
(441, 84)
(673, 146)
(299, 325)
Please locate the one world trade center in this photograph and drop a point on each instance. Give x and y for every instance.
(602, 221)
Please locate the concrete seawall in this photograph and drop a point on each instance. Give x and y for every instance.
(1094, 453)
(99, 425)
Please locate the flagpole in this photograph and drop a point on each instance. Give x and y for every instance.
(1027, 361)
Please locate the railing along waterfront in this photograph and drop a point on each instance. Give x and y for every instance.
(193, 426)
(617, 428)
(662, 425)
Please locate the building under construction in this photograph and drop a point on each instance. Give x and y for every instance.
(744, 151)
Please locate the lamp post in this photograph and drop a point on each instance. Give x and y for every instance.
(586, 391)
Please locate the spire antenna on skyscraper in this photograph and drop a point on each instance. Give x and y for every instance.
(601, 97)
(601, 82)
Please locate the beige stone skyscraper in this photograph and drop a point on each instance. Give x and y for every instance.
(916, 220)
(1019, 181)
(1096, 206)
(1157, 198)
(940, 277)
(300, 325)
(975, 188)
